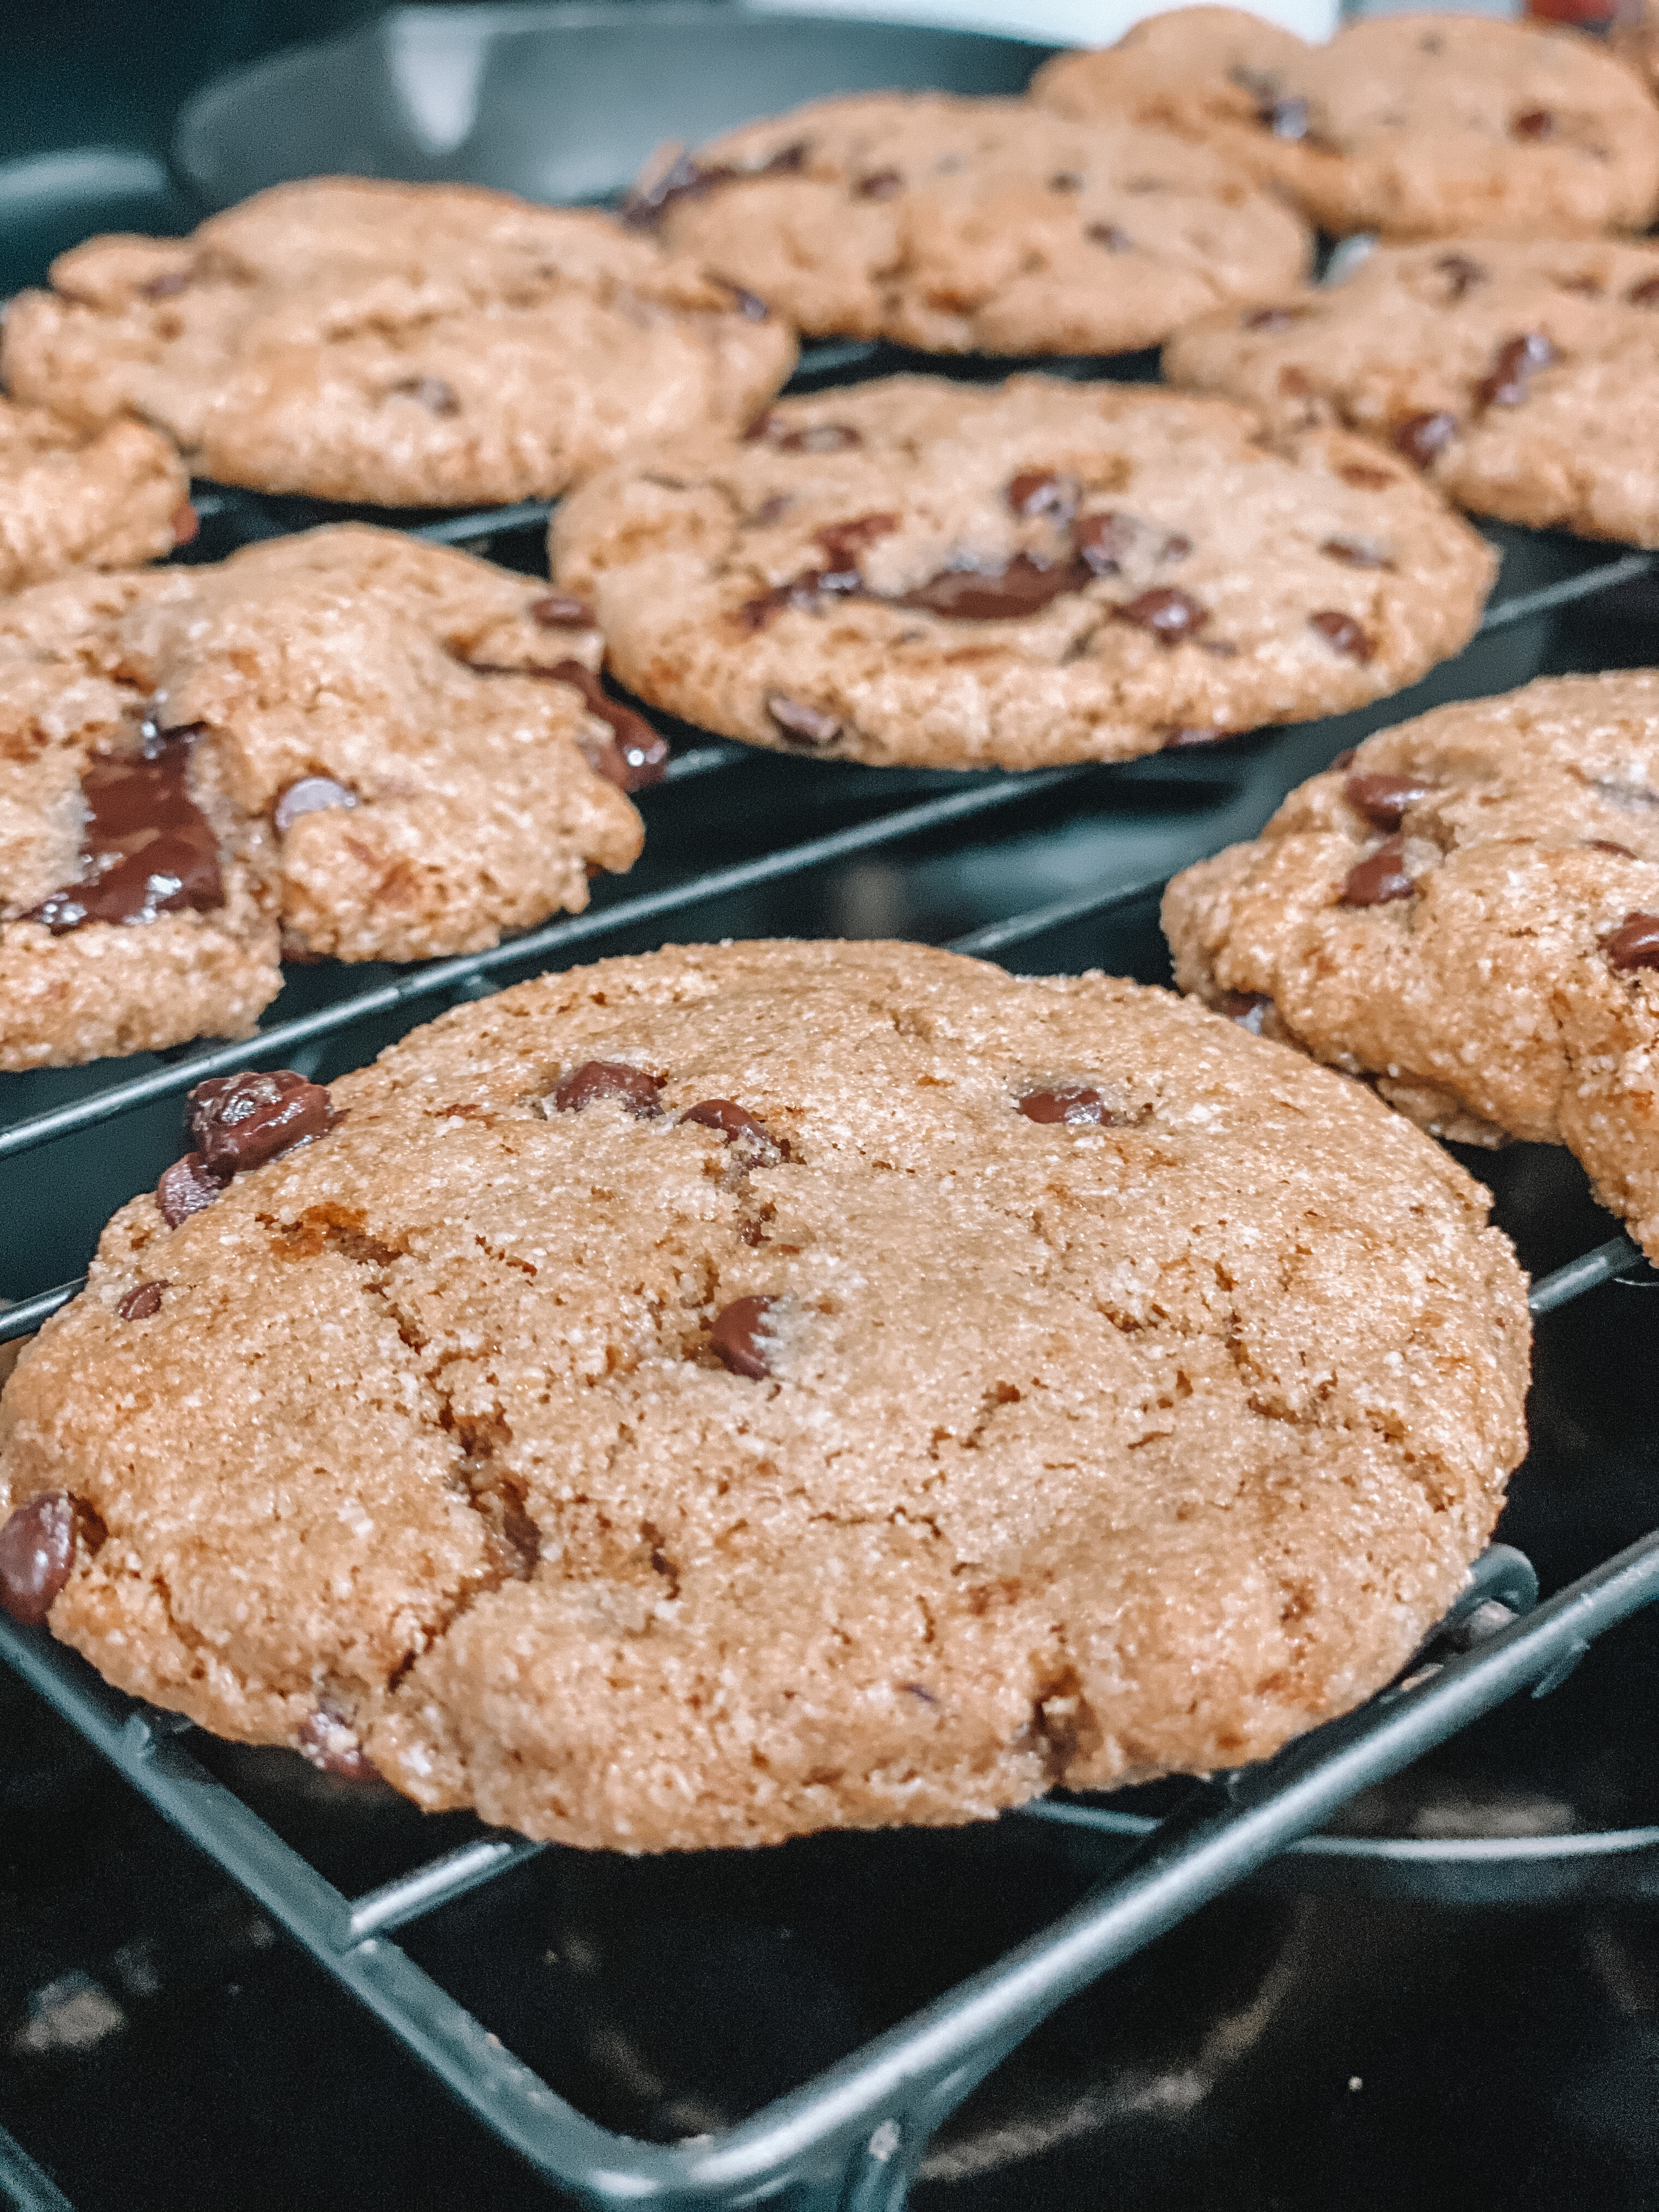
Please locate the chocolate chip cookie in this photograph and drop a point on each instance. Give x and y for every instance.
(1522, 380)
(660, 1421)
(71, 498)
(971, 225)
(402, 344)
(1412, 125)
(349, 741)
(1467, 911)
(964, 577)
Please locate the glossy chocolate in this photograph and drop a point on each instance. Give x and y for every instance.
(637, 755)
(741, 1338)
(636, 1087)
(146, 848)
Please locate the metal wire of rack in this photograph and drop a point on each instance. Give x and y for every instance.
(853, 2137)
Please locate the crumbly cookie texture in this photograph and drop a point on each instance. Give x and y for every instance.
(962, 225)
(917, 571)
(661, 1422)
(1523, 379)
(74, 498)
(1413, 126)
(350, 738)
(1468, 912)
(402, 344)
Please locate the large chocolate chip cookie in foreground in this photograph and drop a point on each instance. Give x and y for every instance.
(706, 1397)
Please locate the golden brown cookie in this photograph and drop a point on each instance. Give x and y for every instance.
(401, 345)
(1411, 125)
(661, 1421)
(913, 571)
(1466, 911)
(971, 225)
(71, 498)
(377, 749)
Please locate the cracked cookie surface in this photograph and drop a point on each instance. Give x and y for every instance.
(1410, 126)
(1522, 380)
(345, 742)
(74, 498)
(401, 345)
(962, 225)
(658, 1421)
(914, 571)
(1468, 912)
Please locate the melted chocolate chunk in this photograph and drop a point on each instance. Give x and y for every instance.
(561, 610)
(37, 1554)
(843, 542)
(1385, 800)
(1271, 318)
(1461, 274)
(1076, 1102)
(432, 393)
(1343, 633)
(735, 1122)
(1421, 437)
(686, 180)
(1645, 295)
(1108, 235)
(1635, 943)
(142, 1300)
(1355, 553)
(741, 1339)
(1022, 586)
(1376, 880)
(594, 1079)
(879, 184)
(310, 794)
(807, 724)
(637, 756)
(1043, 492)
(1612, 845)
(1249, 1009)
(333, 1747)
(240, 1121)
(1172, 615)
(185, 1188)
(1516, 363)
(186, 522)
(1534, 123)
(147, 849)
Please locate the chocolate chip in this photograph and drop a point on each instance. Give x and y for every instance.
(1533, 123)
(1355, 553)
(1285, 118)
(636, 755)
(310, 794)
(1376, 880)
(818, 438)
(1645, 295)
(843, 542)
(1612, 845)
(879, 184)
(1108, 235)
(1271, 318)
(1022, 586)
(1104, 541)
(740, 1337)
(685, 179)
(37, 1554)
(1065, 181)
(185, 523)
(1170, 615)
(594, 1079)
(1342, 633)
(1421, 437)
(146, 846)
(1249, 1009)
(1076, 1102)
(561, 610)
(333, 1747)
(1364, 479)
(168, 287)
(1516, 361)
(1635, 943)
(1043, 492)
(432, 393)
(142, 1300)
(185, 1188)
(809, 725)
(1385, 800)
(1461, 273)
(735, 1122)
(240, 1121)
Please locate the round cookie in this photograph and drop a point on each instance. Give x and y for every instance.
(913, 571)
(971, 225)
(374, 748)
(1468, 912)
(659, 1422)
(1411, 125)
(70, 498)
(402, 344)
(1522, 379)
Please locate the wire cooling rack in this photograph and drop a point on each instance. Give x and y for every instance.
(851, 2138)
